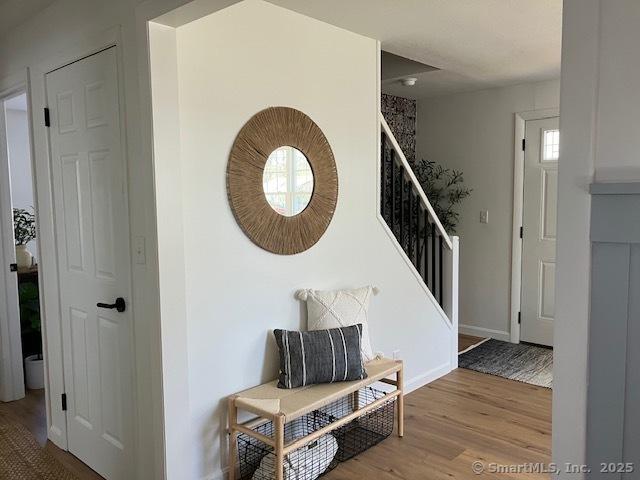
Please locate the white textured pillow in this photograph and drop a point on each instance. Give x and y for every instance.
(339, 308)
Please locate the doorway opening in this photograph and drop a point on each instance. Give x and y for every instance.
(540, 194)
(537, 152)
(87, 405)
(22, 324)
(527, 354)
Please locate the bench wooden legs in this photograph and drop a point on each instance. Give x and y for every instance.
(233, 437)
(279, 438)
(278, 442)
(355, 400)
(400, 387)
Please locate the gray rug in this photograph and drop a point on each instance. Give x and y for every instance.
(525, 363)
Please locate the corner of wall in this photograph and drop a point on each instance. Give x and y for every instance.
(171, 263)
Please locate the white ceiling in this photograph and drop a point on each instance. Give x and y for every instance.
(15, 12)
(476, 44)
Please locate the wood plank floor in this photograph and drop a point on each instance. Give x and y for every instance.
(466, 341)
(463, 417)
(459, 419)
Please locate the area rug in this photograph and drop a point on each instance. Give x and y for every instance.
(521, 362)
(21, 457)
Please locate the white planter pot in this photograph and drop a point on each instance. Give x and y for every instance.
(34, 372)
(24, 259)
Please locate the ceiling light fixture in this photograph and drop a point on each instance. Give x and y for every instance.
(409, 81)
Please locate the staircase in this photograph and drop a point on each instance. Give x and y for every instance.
(410, 219)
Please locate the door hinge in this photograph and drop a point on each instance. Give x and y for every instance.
(47, 118)
(519, 318)
(13, 267)
(64, 402)
(521, 232)
(524, 143)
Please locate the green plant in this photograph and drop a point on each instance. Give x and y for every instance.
(24, 226)
(29, 306)
(30, 311)
(444, 189)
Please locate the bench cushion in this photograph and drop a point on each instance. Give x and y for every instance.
(267, 400)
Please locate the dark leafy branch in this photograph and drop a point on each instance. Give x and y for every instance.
(24, 226)
(445, 190)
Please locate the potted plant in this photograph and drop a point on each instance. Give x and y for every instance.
(24, 228)
(445, 190)
(31, 335)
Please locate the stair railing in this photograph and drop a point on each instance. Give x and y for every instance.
(410, 217)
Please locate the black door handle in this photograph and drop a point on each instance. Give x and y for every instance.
(120, 305)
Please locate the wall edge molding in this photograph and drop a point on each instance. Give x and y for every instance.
(484, 332)
(615, 188)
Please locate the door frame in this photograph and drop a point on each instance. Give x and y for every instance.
(12, 371)
(521, 118)
(123, 285)
(83, 47)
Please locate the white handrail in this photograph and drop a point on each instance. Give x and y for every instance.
(414, 180)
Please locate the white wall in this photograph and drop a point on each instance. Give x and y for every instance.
(600, 135)
(231, 65)
(617, 136)
(474, 132)
(20, 165)
(168, 178)
(573, 247)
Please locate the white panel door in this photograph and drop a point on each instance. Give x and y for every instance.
(91, 221)
(539, 235)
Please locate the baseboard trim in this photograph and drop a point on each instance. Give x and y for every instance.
(484, 332)
(427, 377)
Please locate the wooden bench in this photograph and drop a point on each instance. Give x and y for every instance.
(281, 406)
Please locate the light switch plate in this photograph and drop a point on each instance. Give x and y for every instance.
(484, 216)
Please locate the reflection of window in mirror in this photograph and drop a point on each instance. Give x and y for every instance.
(288, 181)
(551, 145)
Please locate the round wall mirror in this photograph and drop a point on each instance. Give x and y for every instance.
(287, 181)
(282, 180)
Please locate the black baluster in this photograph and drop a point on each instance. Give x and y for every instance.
(426, 247)
(401, 236)
(409, 221)
(433, 257)
(416, 234)
(383, 178)
(419, 250)
(440, 272)
(393, 192)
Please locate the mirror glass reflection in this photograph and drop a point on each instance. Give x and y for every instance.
(287, 181)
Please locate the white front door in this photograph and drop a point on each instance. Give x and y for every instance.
(92, 240)
(539, 235)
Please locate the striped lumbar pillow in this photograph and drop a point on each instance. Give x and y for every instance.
(321, 356)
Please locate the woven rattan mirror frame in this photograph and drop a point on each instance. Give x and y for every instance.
(265, 132)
